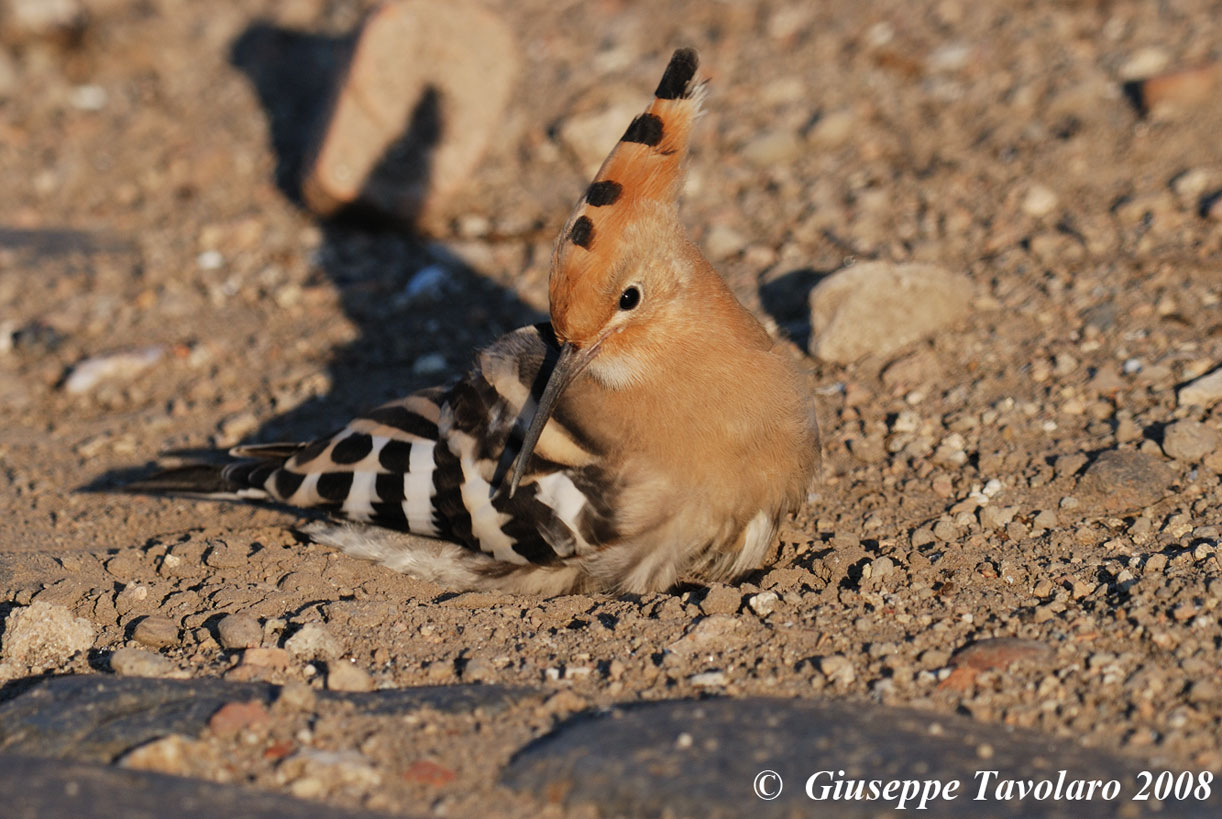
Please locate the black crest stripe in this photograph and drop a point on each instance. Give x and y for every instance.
(679, 73)
(334, 486)
(352, 449)
(582, 233)
(645, 129)
(603, 193)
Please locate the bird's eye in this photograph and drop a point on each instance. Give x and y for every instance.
(630, 298)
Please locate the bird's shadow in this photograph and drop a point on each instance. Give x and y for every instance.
(373, 262)
(786, 298)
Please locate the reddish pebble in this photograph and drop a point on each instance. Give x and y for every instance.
(429, 773)
(233, 717)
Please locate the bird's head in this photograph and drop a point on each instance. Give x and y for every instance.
(622, 262)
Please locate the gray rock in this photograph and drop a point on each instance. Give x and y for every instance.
(1189, 440)
(97, 718)
(35, 788)
(876, 308)
(706, 758)
(239, 631)
(1123, 480)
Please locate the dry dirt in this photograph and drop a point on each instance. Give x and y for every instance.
(148, 202)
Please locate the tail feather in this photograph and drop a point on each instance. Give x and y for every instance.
(192, 479)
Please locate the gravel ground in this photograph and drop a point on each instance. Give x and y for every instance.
(1035, 471)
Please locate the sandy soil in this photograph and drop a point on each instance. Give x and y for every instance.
(148, 203)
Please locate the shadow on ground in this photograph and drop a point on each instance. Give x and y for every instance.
(404, 324)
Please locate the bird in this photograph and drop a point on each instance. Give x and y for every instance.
(652, 433)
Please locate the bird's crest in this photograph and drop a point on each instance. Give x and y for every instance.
(644, 167)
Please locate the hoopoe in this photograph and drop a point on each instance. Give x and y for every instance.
(651, 433)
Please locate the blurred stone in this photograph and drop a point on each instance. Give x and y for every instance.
(592, 134)
(345, 676)
(98, 717)
(1039, 201)
(1205, 391)
(1189, 441)
(235, 717)
(1123, 480)
(1165, 95)
(772, 148)
(420, 101)
(314, 642)
(63, 20)
(122, 365)
(877, 308)
(37, 787)
(136, 662)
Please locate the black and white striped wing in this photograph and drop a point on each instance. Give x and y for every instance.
(433, 464)
(377, 469)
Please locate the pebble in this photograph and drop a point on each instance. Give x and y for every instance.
(1189, 441)
(1181, 91)
(313, 642)
(838, 669)
(763, 603)
(721, 600)
(346, 676)
(1124, 480)
(772, 148)
(8, 84)
(430, 364)
(722, 241)
(156, 631)
(43, 635)
(878, 308)
(239, 631)
(233, 717)
(1203, 392)
(296, 696)
(833, 130)
(459, 59)
(171, 754)
(946, 531)
(591, 135)
(122, 365)
(50, 19)
(1039, 201)
(478, 669)
(136, 662)
(1046, 519)
(132, 596)
(708, 679)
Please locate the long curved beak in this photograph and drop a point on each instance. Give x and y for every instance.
(569, 364)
